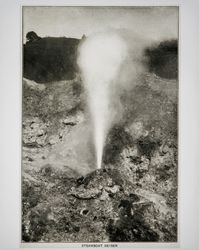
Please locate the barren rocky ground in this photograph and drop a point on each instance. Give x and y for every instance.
(132, 198)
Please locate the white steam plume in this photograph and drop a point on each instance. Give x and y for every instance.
(100, 59)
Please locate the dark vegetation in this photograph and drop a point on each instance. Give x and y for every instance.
(53, 59)
(49, 59)
(163, 59)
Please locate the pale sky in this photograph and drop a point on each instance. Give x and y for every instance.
(157, 22)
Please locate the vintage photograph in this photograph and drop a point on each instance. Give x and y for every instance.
(99, 124)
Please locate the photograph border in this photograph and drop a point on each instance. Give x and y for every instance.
(187, 190)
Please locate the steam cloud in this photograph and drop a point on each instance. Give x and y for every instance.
(108, 66)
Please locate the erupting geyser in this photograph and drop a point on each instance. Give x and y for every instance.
(100, 59)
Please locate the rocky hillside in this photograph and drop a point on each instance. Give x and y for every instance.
(132, 198)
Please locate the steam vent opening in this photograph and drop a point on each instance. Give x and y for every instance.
(99, 125)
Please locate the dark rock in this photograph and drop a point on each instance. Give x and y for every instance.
(147, 146)
(117, 139)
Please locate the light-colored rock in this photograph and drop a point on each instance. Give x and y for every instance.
(144, 165)
(53, 139)
(113, 189)
(33, 85)
(104, 196)
(137, 130)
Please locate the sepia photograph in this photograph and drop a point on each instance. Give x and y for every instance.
(99, 124)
